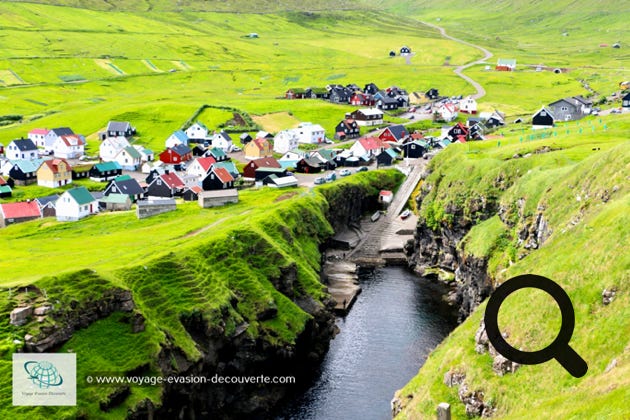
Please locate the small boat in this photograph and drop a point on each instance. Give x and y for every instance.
(375, 216)
(405, 214)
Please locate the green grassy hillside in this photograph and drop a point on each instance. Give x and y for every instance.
(217, 264)
(584, 196)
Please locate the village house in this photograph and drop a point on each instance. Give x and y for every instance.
(24, 172)
(216, 198)
(386, 157)
(229, 166)
(38, 136)
(47, 205)
(105, 171)
(457, 131)
(543, 119)
(367, 116)
(285, 140)
(468, 105)
(115, 202)
(218, 154)
(75, 204)
(53, 134)
(570, 109)
(340, 95)
(146, 155)
(317, 93)
(200, 167)
(176, 155)
(370, 146)
(325, 157)
(197, 133)
(81, 170)
(129, 159)
(386, 103)
(249, 170)
(118, 128)
(111, 146)
(308, 165)
(257, 148)
(245, 138)
(446, 112)
(54, 173)
(223, 141)
(11, 213)
(176, 139)
(69, 147)
(21, 149)
(295, 93)
(362, 99)
(348, 128)
(394, 133)
(506, 64)
(370, 88)
(125, 185)
(493, 119)
(166, 185)
(310, 133)
(217, 179)
(290, 158)
(191, 192)
(432, 94)
(5, 188)
(414, 149)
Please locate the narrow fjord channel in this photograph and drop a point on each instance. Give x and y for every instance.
(396, 321)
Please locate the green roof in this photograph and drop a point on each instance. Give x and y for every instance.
(133, 152)
(107, 166)
(5, 189)
(327, 154)
(217, 153)
(115, 199)
(82, 168)
(27, 166)
(278, 170)
(81, 195)
(228, 165)
(122, 177)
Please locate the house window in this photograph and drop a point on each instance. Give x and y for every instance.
(564, 108)
(543, 114)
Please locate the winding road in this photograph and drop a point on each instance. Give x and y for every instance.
(459, 69)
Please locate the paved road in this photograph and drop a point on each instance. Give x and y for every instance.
(459, 70)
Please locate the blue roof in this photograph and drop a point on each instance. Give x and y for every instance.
(108, 166)
(27, 166)
(181, 136)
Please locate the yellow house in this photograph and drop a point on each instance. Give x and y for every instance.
(258, 148)
(54, 173)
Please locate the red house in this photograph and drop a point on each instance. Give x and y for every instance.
(23, 211)
(458, 130)
(394, 133)
(249, 171)
(363, 99)
(176, 154)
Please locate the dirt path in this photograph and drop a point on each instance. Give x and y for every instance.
(458, 70)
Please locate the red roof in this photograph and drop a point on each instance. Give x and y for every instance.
(20, 210)
(172, 180)
(53, 164)
(206, 162)
(261, 143)
(223, 175)
(72, 140)
(196, 189)
(2, 181)
(372, 143)
(417, 136)
(461, 139)
(43, 131)
(266, 162)
(385, 192)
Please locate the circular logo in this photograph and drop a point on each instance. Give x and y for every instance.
(43, 374)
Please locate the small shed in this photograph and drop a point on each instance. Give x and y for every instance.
(154, 206)
(115, 202)
(217, 198)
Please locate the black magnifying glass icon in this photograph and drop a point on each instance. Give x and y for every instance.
(559, 349)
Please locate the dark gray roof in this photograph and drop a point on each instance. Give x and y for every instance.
(399, 131)
(25, 144)
(118, 126)
(181, 149)
(129, 186)
(42, 201)
(62, 131)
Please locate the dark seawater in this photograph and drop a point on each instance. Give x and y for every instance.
(394, 324)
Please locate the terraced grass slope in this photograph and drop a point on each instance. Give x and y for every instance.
(217, 265)
(579, 184)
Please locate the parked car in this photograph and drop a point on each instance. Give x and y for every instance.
(615, 111)
(362, 169)
(331, 177)
(344, 172)
(405, 214)
(319, 180)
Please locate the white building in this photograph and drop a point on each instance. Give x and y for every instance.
(285, 140)
(197, 131)
(69, 146)
(223, 141)
(177, 138)
(111, 146)
(310, 133)
(38, 136)
(21, 149)
(468, 105)
(75, 204)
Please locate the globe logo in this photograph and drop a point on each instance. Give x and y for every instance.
(43, 374)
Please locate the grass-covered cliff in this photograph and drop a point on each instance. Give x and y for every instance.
(556, 207)
(178, 293)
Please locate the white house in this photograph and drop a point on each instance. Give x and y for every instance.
(311, 133)
(111, 146)
(69, 146)
(52, 135)
(368, 116)
(21, 149)
(38, 136)
(146, 155)
(468, 105)
(223, 141)
(446, 112)
(291, 158)
(197, 131)
(128, 158)
(370, 146)
(199, 167)
(177, 138)
(75, 204)
(285, 140)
